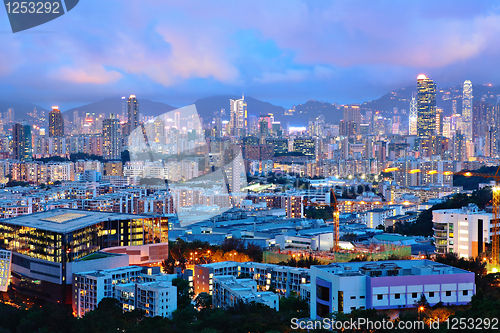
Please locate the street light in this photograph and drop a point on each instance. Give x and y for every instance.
(420, 310)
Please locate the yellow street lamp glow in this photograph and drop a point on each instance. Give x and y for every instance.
(431, 172)
(391, 169)
(468, 174)
(494, 270)
(496, 188)
(447, 173)
(415, 170)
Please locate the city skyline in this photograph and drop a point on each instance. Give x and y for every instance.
(163, 163)
(274, 58)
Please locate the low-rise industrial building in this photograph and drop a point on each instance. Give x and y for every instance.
(344, 287)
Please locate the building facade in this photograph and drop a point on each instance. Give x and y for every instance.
(426, 106)
(112, 138)
(344, 287)
(56, 123)
(228, 291)
(46, 245)
(462, 231)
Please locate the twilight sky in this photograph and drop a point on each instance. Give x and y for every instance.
(284, 52)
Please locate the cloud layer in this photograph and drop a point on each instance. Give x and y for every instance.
(287, 51)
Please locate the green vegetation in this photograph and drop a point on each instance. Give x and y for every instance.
(152, 181)
(125, 156)
(109, 317)
(303, 262)
(182, 253)
(423, 225)
(324, 213)
(471, 183)
(52, 159)
(14, 183)
(72, 158)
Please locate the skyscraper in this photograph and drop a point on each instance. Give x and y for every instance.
(124, 108)
(352, 115)
(132, 113)
(177, 120)
(56, 122)
(439, 121)
(112, 143)
(481, 111)
(467, 110)
(239, 117)
(22, 148)
(426, 106)
(413, 116)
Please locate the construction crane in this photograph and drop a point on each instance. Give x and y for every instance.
(495, 203)
(495, 246)
(336, 215)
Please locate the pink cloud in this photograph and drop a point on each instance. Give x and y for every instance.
(92, 74)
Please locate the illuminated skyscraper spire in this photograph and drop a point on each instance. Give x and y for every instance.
(467, 110)
(413, 115)
(426, 106)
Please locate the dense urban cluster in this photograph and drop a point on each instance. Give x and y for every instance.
(199, 220)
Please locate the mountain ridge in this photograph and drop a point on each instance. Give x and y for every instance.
(208, 106)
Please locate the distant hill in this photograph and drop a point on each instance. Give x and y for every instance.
(21, 110)
(207, 106)
(312, 109)
(113, 105)
(400, 98)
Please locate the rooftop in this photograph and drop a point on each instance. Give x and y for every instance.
(99, 255)
(406, 267)
(391, 237)
(64, 220)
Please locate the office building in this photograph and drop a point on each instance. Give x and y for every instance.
(352, 114)
(482, 113)
(306, 146)
(284, 279)
(426, 106)
(382, 285)
(56, 122)
(462, 231)
(239, 118)
(5, 268)
(467, 110)
(47, 245)
(89, 288)
(439, 121)
(135, 287)
(229, 291)
(112, 139)
(132, 114)
(279, 145)
(22, 148)
(413, 116)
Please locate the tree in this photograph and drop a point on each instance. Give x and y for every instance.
(203, 301)
(184, 293)
(125, 156)
(293, 306)
(422, 301)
